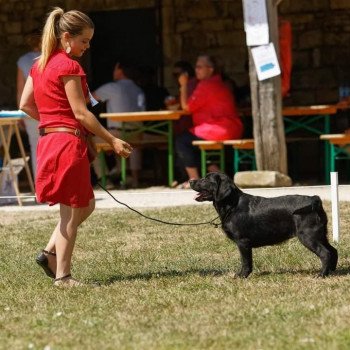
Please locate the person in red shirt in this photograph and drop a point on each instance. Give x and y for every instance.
(214, 114)
(55, 94)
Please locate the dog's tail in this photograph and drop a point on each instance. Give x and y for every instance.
(315, 206)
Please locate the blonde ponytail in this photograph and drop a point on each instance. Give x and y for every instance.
(50, 37)
(56, 24)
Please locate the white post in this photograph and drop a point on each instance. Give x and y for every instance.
(335, 206)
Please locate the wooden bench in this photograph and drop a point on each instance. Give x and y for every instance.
(243, 151)
(210, 150)
(151, 141)
(339, 148)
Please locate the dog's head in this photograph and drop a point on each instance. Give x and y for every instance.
(213, 188)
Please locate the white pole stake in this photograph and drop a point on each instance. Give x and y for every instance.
(335, 206)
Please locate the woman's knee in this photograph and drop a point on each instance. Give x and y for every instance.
(88, 210)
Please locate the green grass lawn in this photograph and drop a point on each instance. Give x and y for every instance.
(168, 287)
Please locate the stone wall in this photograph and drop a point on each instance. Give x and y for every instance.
(321, 39)
(321, 48)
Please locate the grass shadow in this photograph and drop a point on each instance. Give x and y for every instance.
(214, 272)
(341, 272)
(309, 272)
(171, 273)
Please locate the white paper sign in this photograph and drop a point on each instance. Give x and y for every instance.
(265, 60)
(255, 22)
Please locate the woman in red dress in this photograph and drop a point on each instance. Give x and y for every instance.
(55, 94)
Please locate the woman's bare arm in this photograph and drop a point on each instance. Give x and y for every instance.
(74, 92)
(27, 102)
(183, 80)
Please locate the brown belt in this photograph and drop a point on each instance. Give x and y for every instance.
(76, 132)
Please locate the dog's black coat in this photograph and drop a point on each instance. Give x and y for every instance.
(252, 221)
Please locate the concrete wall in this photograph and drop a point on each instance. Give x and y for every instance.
(321, 39)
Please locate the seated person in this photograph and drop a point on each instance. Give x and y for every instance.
(24, 65)
(214, 114)
(184, 123)
(184, 67)
(123, 95)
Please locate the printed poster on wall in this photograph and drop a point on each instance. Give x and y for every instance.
(266, 62)
(255, 22)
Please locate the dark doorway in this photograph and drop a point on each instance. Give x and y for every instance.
(128, 35)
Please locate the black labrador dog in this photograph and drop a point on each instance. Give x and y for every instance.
(252, 221)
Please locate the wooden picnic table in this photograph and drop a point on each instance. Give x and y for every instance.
(314, 120)
(162, 124)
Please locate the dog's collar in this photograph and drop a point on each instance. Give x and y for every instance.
(225, 216)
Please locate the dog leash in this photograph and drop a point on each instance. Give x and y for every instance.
(211, 222)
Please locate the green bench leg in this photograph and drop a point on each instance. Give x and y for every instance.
(205, 155)
(239, 155)
(336, 152)
(103, 166)
(332, 161)
(123, 172)
(203, 163)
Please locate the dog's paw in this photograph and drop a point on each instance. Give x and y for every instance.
(322, 275)
(240, 274)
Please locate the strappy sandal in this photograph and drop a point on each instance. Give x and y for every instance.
(43, 262)
(67, 281)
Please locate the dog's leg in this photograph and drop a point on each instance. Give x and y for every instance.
(318, 247)
(334, 255)
(246, 260)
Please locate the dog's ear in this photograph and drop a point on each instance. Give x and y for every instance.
(224, 187)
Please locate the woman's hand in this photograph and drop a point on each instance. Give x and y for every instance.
(121, 147)
(183, 79)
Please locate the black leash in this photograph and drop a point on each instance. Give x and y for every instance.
(211, 222)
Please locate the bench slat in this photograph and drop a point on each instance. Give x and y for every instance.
(336, 139)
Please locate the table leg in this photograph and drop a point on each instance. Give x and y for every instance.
(170, 153)
(23, 154)
(7, 160)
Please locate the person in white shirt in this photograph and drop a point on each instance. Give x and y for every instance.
(123, 95)
(24, 64)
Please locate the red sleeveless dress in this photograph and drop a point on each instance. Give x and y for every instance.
(63, 169)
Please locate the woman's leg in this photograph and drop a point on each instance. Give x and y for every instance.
(65, 233)
(51, 247)
(188, 155)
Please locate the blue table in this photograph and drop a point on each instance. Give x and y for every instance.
(8, 114)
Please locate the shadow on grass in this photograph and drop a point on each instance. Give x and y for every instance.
(171, 273)
(215, 272)
(309, 272)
